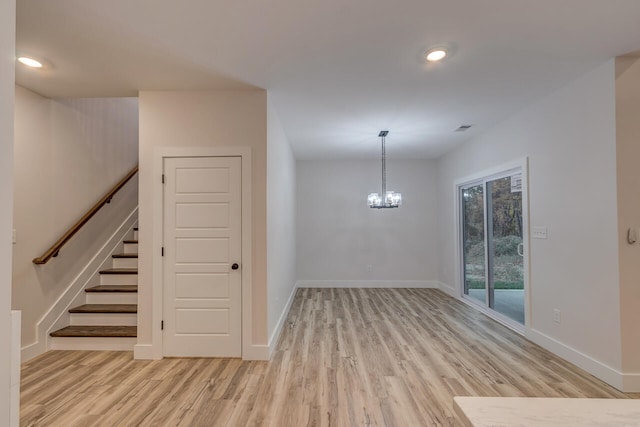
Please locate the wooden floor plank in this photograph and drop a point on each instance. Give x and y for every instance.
(367, 357)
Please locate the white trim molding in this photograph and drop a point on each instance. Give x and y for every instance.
(144, 352)
(449, 290)
(256, 352)
(596, 368)
(631, 383)
(625, 382)
(396, 284)
(154, 349)
(16, 327)
(273, 340)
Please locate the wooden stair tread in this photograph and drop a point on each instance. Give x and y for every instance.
(123, 255)
(120, 271)
(130, 241)
(105, 308)
(113, 288)
(96, 331)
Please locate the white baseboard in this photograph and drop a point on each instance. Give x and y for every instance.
(367, 284)
(273, 341)
(631, 383)
(30, 351)
(584, 361)
(57, 316)
(449, 290)
(256, 352)
(145, 352)
(14, 408)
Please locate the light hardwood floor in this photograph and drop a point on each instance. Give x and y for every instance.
(346, 357)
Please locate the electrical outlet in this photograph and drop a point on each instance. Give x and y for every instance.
(369, 268)
(556, 315)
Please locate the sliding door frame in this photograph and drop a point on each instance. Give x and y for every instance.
(482, 177)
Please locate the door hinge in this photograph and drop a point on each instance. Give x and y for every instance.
(162, 325)
(163, 178)
(162, 251)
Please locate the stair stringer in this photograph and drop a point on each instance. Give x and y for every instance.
(58, 315)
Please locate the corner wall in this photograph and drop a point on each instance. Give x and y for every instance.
(570, 139)
(281, 224)
(343, 242)
(200, 119)
(68, 154)
(9, 393)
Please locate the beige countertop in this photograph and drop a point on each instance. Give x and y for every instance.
(547, 412)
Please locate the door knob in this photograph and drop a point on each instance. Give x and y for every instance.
(235, 266)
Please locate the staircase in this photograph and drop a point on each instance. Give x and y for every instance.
(108, 319)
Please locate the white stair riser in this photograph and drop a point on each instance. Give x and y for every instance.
(130, 248)
(99, 344)
(135, 234)
(112, 298)
(118, 279)
(125, 262)
(104, 319)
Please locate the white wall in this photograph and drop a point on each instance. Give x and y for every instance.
(569, 137)
(628, 158)
(200, 119)
(68, 154)
(7, 49)
(341, 239)
(281, 222)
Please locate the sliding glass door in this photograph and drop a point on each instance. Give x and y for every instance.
(492, 243)
(474, 257)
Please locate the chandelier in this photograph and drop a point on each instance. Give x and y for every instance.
(391, 198)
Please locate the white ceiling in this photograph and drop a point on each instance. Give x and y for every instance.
(337, 71)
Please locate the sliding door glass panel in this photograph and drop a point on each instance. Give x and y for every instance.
(505, 247)
(473, 242)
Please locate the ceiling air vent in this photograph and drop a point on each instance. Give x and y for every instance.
(462, 128)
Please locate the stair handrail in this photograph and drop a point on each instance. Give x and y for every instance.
(54, 250)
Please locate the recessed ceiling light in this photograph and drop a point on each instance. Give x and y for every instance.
(30, 62)
(435, 55)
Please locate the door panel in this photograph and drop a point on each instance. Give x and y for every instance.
(473, 242)
(506, 272)
(200, 251)
(202, 239)
(202, 180)
(202, 321)
(198, 215)
(202, 285)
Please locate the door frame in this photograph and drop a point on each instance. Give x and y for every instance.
(160, 154)
(481, 177)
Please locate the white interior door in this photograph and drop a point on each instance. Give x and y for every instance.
(202, 257)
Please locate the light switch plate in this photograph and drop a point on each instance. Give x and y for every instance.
(539, 232)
